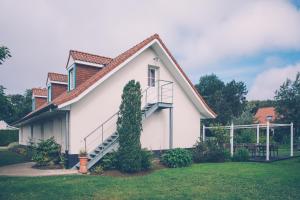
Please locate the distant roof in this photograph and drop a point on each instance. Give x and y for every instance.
(262, 114)
(39, 92)
(91, 58)
(58, 77)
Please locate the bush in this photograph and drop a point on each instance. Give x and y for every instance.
(241, 155)
(97, 170)
(8, 136)
(146, 160)
(200, 152)
(210, 151)
(109, 161)
(47, 153)
(177, 158)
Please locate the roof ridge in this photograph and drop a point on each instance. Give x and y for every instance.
(57, 73)
(92, 54)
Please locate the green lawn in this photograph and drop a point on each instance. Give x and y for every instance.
(8, 157)
(278, 180)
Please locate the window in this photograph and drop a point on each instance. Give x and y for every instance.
(71, 79)
(49, 93)
(269, 118)
(151, 77)
(33, 103)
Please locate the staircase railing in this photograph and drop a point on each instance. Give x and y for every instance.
(162, 92)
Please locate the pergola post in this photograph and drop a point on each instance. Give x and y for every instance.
(231, 140)
(203, 132)
(268, 142)
(257, 134)
(292, 137)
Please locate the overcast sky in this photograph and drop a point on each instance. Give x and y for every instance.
(257, 42)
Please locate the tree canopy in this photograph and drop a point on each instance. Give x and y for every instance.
(14, 107)
(4, 54)
(228, 100)
(287, 102)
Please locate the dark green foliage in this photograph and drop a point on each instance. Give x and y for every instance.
(200, 152)
(4, 54)
(47, 152)
(97, 170)
(227, 100)
(109, 161)
(213, 149)
(177, 158)
(288, 102)
(147, 158)
(241, 155)
(129, 127)
(8, 136)
(14, 107)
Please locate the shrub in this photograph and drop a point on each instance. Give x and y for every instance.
(8, 136)
(129, 127)
(177, 158)
(47, 152)
(200, 152)
(109, 161)
(147, 158)
(241, 155)
(97, 170)
(210, 151)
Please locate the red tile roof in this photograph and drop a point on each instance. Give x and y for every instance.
(39, 92)
(262, 114)
(58, 77)
(87, 57)
(67, 96)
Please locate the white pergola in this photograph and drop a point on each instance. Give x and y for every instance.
(267, 126)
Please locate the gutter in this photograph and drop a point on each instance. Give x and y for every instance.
(49, 107)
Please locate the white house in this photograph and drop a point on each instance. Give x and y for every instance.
(79, 108)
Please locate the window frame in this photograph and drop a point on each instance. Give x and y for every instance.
(49, 93)
(71, 78)
(151, 79)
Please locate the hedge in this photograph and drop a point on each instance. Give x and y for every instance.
(8, 136)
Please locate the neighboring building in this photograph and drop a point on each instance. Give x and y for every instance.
(265, 114)
(80, 111)
(5, 126)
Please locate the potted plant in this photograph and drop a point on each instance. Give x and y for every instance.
(83, 160)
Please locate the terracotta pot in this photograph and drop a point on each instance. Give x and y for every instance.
(83, 160)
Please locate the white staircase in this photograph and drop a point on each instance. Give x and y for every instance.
(163, 99)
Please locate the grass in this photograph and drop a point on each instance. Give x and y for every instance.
(278, 180)
(8, 157)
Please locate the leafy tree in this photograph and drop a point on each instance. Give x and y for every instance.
(227, 100)
(21, 104)
(4, 54)
(6, 109)
(129, 127)
(288, 102)
(14, 107)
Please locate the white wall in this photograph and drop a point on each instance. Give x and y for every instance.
(104, 100)
(54, 127)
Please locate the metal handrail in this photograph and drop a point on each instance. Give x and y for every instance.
(100, 126)
(145, 91)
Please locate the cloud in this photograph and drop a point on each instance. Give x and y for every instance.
(199, 33)
(267, 82)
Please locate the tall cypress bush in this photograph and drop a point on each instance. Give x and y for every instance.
(129, 127)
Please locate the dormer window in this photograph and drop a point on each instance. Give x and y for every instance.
(49, 94)
(71, 76)
(33, 103)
